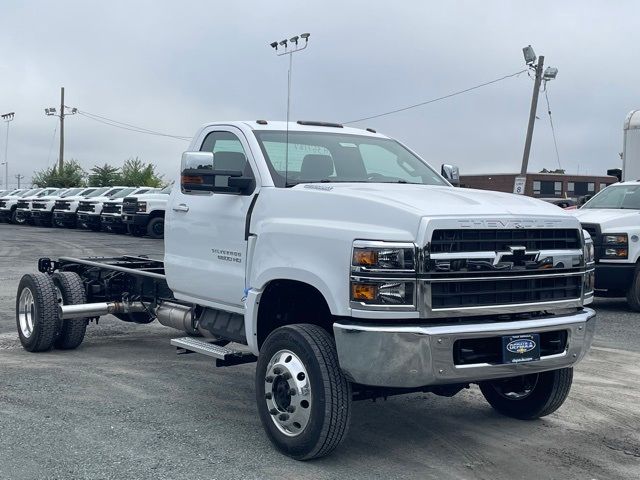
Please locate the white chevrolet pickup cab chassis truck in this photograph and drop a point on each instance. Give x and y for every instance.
(348, 269)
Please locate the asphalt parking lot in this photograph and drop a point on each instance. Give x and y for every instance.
(124, 405)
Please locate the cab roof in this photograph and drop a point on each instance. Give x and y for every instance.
(298, 126)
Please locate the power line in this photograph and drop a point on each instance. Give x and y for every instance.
(129, 127)
(437, 99)
(553, 130)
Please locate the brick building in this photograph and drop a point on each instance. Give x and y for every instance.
(541, 185)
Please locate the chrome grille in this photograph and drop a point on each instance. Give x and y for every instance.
(448, 241)
(62, 205)
(3, 203)
(111, 208)
(87, 207)
(478, 293)
(39, 206)
(22, 204)
(130, 205)
(492, 271)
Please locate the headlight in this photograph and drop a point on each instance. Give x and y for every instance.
(371, 256)
(615, 245)
(142, 207)
(385, 293)
(589, 252)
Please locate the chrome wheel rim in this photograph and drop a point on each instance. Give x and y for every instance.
(26, 312)
(288, 393)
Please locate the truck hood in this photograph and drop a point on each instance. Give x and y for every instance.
(427, 200)
(608, 217)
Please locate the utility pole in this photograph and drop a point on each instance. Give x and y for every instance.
(7, 117)
(520, 182)
(532, 115)
(19, 177)
(61, 157)
(61, 115)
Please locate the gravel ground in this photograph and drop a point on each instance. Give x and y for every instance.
(123, 405)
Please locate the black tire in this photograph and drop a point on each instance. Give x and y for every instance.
(37, 318)
(72, 330)
(548, 392)
(330, 392)
(135, 230)
(18, 219)
(633, 294)
(155, 227)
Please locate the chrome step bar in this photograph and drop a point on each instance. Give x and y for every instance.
(224, 356)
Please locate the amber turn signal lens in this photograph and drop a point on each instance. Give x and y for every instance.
(362, 257)
(192, 179)
(363, 291)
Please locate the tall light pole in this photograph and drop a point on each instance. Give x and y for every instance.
(7, 117)
(289, 47)
(530, 59)
(64, 111)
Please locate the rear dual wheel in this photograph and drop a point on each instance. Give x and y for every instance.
(39, 325)
(304, 399)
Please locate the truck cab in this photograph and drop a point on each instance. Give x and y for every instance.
(8, 203)
(612, 218)
(42, 208)
(111, 216)
(145, 214)
(347, 268)
(89, 209)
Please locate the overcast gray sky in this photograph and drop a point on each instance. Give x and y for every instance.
(171, 66)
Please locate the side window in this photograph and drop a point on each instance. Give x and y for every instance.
(228, 155)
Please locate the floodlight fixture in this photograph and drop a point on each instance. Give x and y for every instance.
(529, 55)
(274, 45)
(284, 43)
(294, 39)
(50, 111)
(550, 73)
(7, 117)
(305, 36)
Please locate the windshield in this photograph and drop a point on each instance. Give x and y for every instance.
(122, 192)
(29, 192)
(98, 192)
(617, 197)
(167, 189)
(71, 192)
(339, 157)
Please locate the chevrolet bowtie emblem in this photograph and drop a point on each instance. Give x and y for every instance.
(518, 255)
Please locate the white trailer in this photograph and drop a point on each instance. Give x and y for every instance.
(631, 147)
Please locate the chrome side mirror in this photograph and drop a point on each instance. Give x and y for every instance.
(451, 173)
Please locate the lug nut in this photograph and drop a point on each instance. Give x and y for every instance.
(277, 371)
(269, 379)
(273, 411)
(292, 392)
(291, 409)
(286, 375)
(283, 417)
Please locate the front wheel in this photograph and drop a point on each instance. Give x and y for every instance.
(633, 294)
(155, 228)
(304, 399)
(135, 230)
(529, 396)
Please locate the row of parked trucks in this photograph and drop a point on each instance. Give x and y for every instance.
(137, 210)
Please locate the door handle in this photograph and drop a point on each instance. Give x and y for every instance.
(181, 208)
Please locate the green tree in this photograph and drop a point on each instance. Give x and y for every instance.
(105, 176)
(136, 173)
(72, 175)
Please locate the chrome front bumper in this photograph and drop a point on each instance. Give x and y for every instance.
(421, 355)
